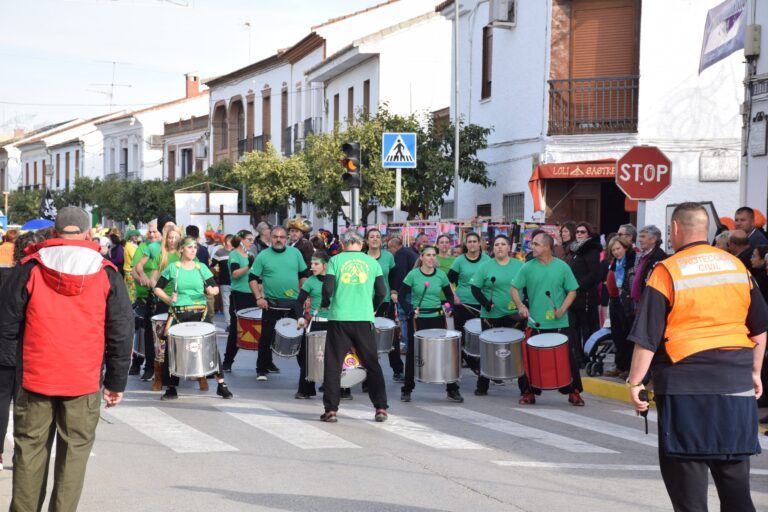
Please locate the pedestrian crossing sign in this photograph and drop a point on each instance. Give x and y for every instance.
(398, 150)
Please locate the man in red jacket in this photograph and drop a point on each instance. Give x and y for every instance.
(69, 311)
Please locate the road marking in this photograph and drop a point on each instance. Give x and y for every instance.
(578, 465)
(291, 430)
(168, 431)
(516, 429)
(603, 427)
(412, 431)
(652, 417)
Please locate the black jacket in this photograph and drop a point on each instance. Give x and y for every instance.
(7, 350)
(656, 256)
(585, 265)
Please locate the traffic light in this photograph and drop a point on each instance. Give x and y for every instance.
(352, 176)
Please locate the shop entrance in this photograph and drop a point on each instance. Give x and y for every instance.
(597, 201)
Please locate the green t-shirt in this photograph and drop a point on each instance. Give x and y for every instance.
(142, 292)
(238, 284)
(537, 278)
(191, 283)
(433, 296)
(172, 258)
(466, 268)
(355, 275)
(503, 304)
(387, 263)
(314, 287)
(154, 251)
(444, 263)
(279, 272)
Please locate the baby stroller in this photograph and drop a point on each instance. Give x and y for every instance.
(599, 350)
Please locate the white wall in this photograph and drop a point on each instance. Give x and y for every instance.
(754, 190)
(368, 70)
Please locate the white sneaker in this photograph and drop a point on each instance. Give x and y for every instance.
(261, 376)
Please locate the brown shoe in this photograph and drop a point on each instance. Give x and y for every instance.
(203, 383)
(157, 382)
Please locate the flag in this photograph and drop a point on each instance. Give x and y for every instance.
(47, 208)
(220, 229)
(724, 32)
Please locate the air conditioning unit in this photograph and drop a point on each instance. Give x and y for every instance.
(156, 141)
(201, 150)
(502, 13)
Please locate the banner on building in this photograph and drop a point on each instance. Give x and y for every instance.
(724, 32)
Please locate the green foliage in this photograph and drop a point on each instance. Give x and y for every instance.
(23, 206)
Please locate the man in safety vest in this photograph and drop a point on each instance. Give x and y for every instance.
(701, 330)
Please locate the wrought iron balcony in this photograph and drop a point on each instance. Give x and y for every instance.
(593, 105)
(286, 143)
(260, 142)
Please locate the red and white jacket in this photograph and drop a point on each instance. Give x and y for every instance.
(71, 310)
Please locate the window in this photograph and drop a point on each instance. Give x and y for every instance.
(34, 166)
(350, 105)
(485, 87)
(171, 165)
(266, 115)
(134, 160)
(513, 206)
(26, 178)
(44, 169)
(335, 110)
(484, 210)
(366, 97)
(66, 169)
(58, 169)
(446, 211)
(286, 142)
(224, 131)
(186, 162)
(112, 165)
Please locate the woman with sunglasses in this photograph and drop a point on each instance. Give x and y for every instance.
(190, 282)
(491, 287)
(240, 296)
(424, 284)
(585, 265)
(466, 305)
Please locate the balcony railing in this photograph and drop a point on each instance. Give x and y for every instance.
(124, 176)
(27, 188)
(241, 147)
(312, 125)
(260, 142)
(593, 105)
(287, 147)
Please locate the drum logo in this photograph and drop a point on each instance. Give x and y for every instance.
(194, 346)
(503, 353)
(289, 292)
(418, 361)
(354, 272)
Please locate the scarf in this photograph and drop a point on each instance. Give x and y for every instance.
(576, 245)
(619, 272)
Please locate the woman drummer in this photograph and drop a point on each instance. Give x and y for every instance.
(312, 289)
(490, 287)
(190, 281)
(241, 296)
(460, 274)
(424, 284)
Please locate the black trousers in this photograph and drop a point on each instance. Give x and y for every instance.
(387, 310)
(269, 318)
(686, 481)
(437, 322)
(620, 327)
(9, 386)
(584, 322)
(147, 309)
(237, 301)
(341, 337)
(307, 387)
(573, 345)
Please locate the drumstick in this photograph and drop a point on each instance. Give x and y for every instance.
(534, 322)
(426, 285)
(474, 310)
(551, 300)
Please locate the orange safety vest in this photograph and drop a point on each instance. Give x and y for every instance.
(709, 294)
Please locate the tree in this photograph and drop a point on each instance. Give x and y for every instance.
(272, 181)
(23, 206)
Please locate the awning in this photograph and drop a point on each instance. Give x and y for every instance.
(568, 170)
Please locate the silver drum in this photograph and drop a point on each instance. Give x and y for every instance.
(437, 356)
(288, 337)
(472, 330)
(385, 334)
(316, 356)
(192, 350)
(501, 353)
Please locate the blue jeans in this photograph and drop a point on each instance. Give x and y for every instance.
(403, 324)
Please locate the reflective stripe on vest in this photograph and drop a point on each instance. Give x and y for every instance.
(710, 302)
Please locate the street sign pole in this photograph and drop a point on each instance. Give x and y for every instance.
(398, 193)
(640, 214)
(355, 205)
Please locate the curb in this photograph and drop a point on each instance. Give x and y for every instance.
(607, 389)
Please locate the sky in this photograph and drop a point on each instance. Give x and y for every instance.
(56, 56)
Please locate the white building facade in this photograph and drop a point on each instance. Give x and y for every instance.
(755, 149)
(568, 86)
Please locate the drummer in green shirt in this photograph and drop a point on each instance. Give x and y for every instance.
(490, 287)
(312, 291)
(386, 309)
(444, 257)
(551, 289)
(144, 304)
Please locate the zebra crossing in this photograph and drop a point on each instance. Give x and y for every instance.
(297, 425)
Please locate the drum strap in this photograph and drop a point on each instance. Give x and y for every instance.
(203, 310)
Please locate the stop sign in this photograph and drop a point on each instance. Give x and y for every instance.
(643, 173)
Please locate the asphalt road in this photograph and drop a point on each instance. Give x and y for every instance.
(265, 450)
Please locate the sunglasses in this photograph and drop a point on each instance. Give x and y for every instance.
(581, 231)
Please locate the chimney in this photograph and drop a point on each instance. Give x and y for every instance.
(193, 85)
(18, 133)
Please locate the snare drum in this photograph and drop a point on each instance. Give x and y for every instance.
(192, 350)
(472, 330)
(248, 328)
(288, 337)
(158, 332)
(548, 362)
(385, 334)
(437, 356)
(501, 353)
(352, 372)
